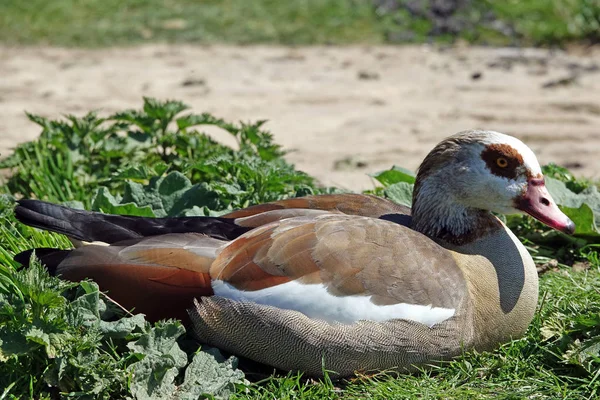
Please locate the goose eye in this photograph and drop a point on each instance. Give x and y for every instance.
(502, 162)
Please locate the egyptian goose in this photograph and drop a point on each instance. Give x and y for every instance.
(348, 280)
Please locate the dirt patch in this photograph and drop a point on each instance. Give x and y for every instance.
(374, 106)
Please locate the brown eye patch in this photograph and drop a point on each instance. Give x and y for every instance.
(502, 160)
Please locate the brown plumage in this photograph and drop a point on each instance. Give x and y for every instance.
(354, 280)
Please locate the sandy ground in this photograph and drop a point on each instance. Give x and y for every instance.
(342, 112)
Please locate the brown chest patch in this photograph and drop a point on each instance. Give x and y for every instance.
(502, 160)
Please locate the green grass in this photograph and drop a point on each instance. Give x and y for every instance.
(94, 23)
(115, 22)
(62, 339)
(552, 21)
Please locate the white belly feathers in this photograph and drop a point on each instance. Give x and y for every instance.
(316, 302)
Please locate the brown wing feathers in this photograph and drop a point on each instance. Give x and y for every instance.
(159, 272)
(158, 276)
(245, 263)
(268, 256)
(158, 292)
(350, 255)
(347, 203)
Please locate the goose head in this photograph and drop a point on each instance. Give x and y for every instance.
(473, 173)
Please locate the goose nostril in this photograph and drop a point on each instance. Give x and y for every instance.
(545, 201)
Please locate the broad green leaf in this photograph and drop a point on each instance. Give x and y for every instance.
(38, 336)
(561, 195)
(394, 175)
(154, 375)
(584, 220)
(171, 195)
(400, 193)
(199, 195)
(123, 327)
(170, 189)
(144, 195)
(154, 378)
(160, 194)
(161, 340)
(86, 310)
(107, 203)
(209, 373)
(13, 343)
(582, 208)
(565, 197)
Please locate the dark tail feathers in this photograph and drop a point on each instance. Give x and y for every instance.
(50, 258)
(90, 226)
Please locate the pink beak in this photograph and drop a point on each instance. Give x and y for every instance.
(537, 202)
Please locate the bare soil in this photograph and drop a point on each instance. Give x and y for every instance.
(341, 111)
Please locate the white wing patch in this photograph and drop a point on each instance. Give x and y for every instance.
(316, 302)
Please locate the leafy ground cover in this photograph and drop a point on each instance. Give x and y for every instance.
(112, 22)
(61, 339)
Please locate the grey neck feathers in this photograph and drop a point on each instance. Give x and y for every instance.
(437, 214)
